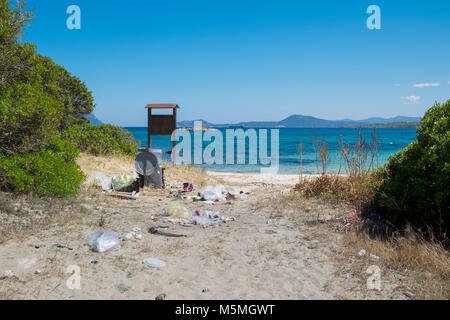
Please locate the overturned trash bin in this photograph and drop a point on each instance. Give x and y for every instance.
(148, 165)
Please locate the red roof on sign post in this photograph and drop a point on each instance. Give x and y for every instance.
(162, 106)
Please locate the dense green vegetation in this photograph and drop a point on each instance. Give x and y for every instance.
(415, 184)
(42, 109)
(101, 140)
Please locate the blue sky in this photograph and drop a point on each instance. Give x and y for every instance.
(230, 61)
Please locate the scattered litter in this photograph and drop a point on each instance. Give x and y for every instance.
(205, 290)
(198, 217)
(209, 202)
(162, 296)
(129, 236)
(136, 229)
(154, 263)
(362, 253)
(139, 236)
(188, 187)
(37, 271)
(177, 210)
(56, 245)
(104, 241)
(93, 261)
(103, 181)
(374, 257)
(269, 221)
(353, 214)
(274, 196)
(154, 230)
(286, 191)
(243, 196)
(211, 193)
(122, 182)
(8, 274)
(409, 294)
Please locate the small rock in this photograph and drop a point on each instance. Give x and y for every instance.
(409, 294)
(37, 271)
(139, 236)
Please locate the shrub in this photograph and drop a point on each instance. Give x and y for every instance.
(102, 140)
(49, 171)
(415, 185)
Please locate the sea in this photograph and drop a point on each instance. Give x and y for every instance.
(390, 141)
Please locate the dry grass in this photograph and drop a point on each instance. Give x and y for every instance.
(109, 165)
(355, 190)
(179, 174)
(23, 215)
(426, 264)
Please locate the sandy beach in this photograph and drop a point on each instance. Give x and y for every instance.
(278, 248)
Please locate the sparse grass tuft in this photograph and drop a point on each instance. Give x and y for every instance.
(425, 263)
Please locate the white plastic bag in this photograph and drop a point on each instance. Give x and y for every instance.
(104, 241)
(211, 193)
(154, 263)
(103, 181)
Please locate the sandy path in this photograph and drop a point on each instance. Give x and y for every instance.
(244, 259)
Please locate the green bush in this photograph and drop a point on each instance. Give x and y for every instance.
(49, 171)
(102, 140)
(414, 185)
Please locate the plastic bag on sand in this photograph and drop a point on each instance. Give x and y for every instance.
(211, 193)
(175, 209)
(122, 181)
(155, 263)
(103, 181)
(104, 241)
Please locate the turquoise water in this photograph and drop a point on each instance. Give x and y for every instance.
(393, 140)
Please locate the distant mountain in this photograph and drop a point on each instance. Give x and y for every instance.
(376, 120)
(94, 120)
(300, 121)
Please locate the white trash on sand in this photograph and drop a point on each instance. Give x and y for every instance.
(104, 241)
(102, 180)
(211, 193)
(154, 263)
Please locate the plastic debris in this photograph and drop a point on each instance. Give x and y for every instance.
(103, 181)
(352, 214)
(8, 274)
(374, 257)
(188, 187)
(154, 263)
(409, 294)
(122, 182)
(211, 193)
(362, 253)
(104, 241)
(269, 221)
(129, 236)
(177, 210)
(204, 290)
